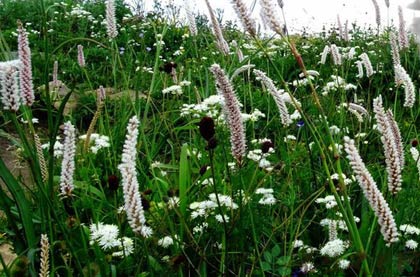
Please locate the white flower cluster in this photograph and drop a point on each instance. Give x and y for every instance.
(303, 81)
(302, 247)
(167, 241)
(258, 156)
(343, 264)
(416, 157)
(254, 116)
(410, 230)
(175, 90)
(337, 84)
(267, 196)
(98, 140)
(78, 12)
(106, 236)
(307, 267)
(329, 201)
(347, 181)
(334, 248)
(58, 148)
(261, 158)
(340, 223)
(208, 107)
(206, 207)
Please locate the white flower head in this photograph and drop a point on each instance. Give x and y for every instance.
(334, 248)
(411, 244)
(343, 264)
(165, 242)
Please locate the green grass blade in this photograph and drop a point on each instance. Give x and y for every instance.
(22, 203)
(184, 181)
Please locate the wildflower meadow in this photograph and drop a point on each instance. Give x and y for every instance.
(143, 143)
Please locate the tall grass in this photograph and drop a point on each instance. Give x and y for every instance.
(290, 205)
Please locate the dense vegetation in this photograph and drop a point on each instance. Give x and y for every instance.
(284, 207)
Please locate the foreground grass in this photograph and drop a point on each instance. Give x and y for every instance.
(284, 208)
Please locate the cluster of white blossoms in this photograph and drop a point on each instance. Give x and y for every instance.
(303, 81)
(167, 241)
(416, 157)
(176, 89)
(267, 196)
(254, 116)
(336, 84)
(210, 107)
(207, 208)
(257, 155)
(347, 181)
(328, 200)
(334, 248)
(298, 244)
(58, 147)
(408, 231)
(99, 142)
(106, 236)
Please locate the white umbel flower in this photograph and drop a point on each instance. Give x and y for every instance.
(165, 242)
(334, 248)
(106, 235)
(343, 264)
(408, 229)
(411, 244)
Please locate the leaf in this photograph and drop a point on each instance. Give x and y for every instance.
(285, 271)
(22, 203)
(154, 263)
(275, 251)
(184, 179)
(265, 266)
(283, 260)
(268, 257)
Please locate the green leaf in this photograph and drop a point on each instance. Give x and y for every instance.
(154, 263)
(275, 251)
(184, 179)
(283, 260)
(22, 203)
(285, 271)
(265, 266)
(268, 257)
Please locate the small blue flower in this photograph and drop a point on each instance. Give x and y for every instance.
(300, 123)
(148, 49)
(122, 49)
